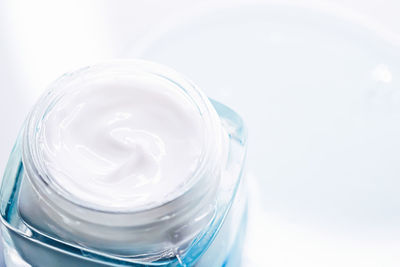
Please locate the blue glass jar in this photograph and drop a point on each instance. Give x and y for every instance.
(41, 226)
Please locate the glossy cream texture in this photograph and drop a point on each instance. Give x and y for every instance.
(122, 142)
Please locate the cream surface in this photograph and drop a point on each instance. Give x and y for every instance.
(122, 142)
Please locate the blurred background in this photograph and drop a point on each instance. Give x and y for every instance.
(317, 83)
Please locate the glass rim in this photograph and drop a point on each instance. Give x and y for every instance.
(43, 182)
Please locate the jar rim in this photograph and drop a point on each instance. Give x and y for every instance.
(43, 182)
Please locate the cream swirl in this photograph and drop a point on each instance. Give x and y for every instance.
(122, 141)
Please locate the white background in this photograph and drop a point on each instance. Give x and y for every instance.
(40, 40)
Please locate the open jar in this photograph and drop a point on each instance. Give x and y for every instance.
(200, 222)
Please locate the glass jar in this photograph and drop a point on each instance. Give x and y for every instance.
(202, 225)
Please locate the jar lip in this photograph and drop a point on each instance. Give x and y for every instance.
(42, 181)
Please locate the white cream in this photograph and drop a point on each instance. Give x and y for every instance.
(125, 157)
(122, 142)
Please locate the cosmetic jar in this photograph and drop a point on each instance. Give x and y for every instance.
(201, 222)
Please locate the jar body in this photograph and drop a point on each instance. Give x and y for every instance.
(218, 245)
